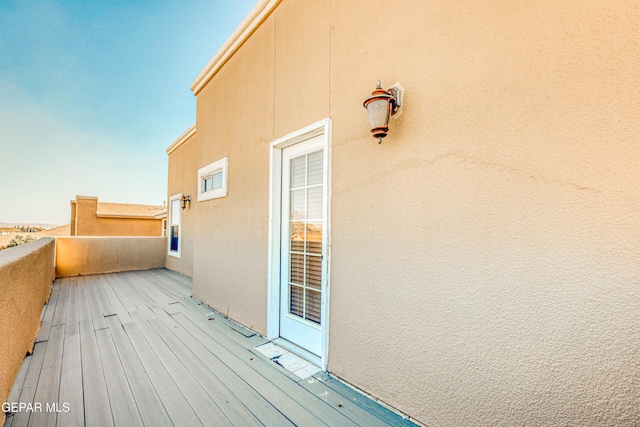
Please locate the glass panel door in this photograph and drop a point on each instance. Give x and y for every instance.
(302, 274)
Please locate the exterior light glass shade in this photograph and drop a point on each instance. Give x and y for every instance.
(378, 110)
(184, 201)
(380, 106)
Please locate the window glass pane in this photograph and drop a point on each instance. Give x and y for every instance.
(297, 269)
(296, 297)
(298, 166)
(314, 203)
(207, 184)
(216, 179)
(313, 299)
(175, 232)
(314, 238)
(175, 211)
(297, 236)
(314, 272)
(315, 168)
(297, 204)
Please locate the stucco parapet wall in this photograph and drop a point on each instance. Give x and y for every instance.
(26, 274)
(99, 215)
(80, 255)
(181, 139)
(247, 27)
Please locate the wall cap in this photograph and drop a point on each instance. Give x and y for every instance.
(99, 215)
(107, 237)
(10, 255)
(181, 139)
(247, 27)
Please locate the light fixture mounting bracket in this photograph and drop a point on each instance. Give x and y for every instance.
(396, 102)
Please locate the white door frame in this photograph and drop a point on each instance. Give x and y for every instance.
(323, 127)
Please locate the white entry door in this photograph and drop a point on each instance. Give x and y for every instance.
(302, 243)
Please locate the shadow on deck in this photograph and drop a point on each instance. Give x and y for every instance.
(133, 348)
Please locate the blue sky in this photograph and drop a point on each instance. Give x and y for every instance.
(91, 94)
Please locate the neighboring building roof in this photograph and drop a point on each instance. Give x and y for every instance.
(9, 230)
(63, 230)
(129, 210)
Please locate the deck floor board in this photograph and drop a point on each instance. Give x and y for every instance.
(97, 407)
(186, 391)
(151, 408)
(124, 408)
(118, 308)
(84, 312)
(261, 407)
(49, 380)
(28, 388)
(134, 349)
(61, 305)
(96, 302)
(239, 361)
(50, 308)
(71, 392)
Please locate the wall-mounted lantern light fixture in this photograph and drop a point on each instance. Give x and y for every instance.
(380, 106)
(185, 200)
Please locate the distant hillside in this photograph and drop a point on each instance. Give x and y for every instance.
(27, 224)
(63, 230)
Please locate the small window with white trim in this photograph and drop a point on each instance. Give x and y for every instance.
(175, 225)
(212, 180)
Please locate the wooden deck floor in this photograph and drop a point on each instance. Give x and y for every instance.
(133, 349)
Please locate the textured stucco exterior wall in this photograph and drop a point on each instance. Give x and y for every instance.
(90, 255)
(301, 79)
(232, 231)
(26, 274)
(274, 87)
(183, 171)
(484, 259)
(72, 222)
(485, 256)
(87, 223)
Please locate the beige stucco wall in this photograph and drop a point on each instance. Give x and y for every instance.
(276, 89)
(183, 170)
(485, 256)
(26, 274)
(484, 259)
(87, 223)
(72, 222)
(235, 226)
(90, 255)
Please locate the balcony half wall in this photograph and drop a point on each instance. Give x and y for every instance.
(90, 255)
(26, 274)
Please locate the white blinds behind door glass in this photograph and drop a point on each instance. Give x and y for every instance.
(305, 250)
